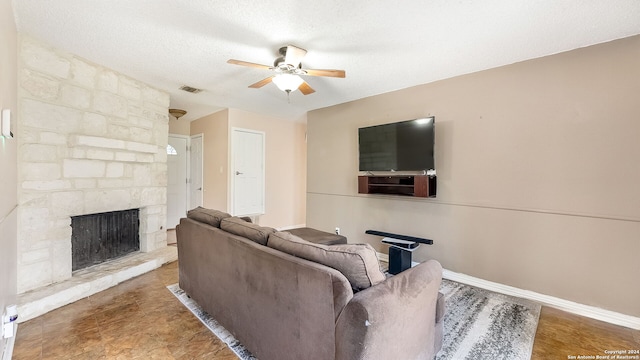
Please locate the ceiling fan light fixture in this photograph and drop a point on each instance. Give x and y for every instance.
(177, 113)
(286, 70)
(287, 82)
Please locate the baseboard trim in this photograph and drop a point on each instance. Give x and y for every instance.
(592, 312)
(8, 350)
(589, 311)
(383, 257)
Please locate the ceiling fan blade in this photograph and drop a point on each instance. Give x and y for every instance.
(324, 72)
(261, 83)
(305, 89)
(246, 63)
(294, 55)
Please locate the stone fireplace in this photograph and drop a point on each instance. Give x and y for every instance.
(90, 140)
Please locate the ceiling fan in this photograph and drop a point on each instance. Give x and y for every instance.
(287, 69)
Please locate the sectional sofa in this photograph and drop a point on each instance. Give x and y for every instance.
(284, 297)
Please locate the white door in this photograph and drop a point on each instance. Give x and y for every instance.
(247, 172)
(195, 160)
(176, 180)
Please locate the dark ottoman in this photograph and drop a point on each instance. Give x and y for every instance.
(318, 237)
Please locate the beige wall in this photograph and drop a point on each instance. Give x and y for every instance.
(285, 166)
(537, 174)
(8, 160)
(215, 130)
(179, 127)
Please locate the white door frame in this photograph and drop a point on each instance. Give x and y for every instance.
(232, 170)
(188, 143)
(189, 169)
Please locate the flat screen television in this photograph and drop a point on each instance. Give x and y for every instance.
(400, 146)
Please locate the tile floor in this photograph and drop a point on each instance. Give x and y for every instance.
(137, 319)
(561, 335)
(141, 319)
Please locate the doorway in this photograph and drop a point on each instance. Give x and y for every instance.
(177, 162)
(247, 172)
(195, 171)
(184, 176)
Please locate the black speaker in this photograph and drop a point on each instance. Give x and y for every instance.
(399, 260)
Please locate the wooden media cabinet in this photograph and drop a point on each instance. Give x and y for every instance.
(405, 185)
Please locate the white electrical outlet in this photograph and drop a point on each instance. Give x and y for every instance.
(337, 230)
(8, 318)
(7, 330)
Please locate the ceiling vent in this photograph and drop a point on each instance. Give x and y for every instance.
(190, 89)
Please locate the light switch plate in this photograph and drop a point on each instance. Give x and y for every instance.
(6, 123)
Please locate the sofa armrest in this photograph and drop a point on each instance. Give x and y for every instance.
(395, 319)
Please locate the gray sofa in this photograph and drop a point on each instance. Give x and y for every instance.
(281, 306)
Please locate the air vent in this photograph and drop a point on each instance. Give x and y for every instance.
(190, 89)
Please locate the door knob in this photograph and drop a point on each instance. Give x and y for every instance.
(238, 173)
(199, 189)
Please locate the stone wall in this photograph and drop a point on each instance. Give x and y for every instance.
(90, 140)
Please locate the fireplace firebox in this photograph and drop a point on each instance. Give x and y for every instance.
(96, 238)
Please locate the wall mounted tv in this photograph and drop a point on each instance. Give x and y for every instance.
(400, 146)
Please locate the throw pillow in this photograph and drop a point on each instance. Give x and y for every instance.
(240, 227)
(207, 216)
(358, 262)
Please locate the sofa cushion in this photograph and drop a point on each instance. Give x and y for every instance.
(207, 216)
(357, 262)
(240, 227)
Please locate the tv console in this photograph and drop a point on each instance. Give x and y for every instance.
(402, 246)
(405, 244)
(406, 185)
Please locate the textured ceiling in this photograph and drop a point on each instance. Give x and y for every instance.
(382, 45)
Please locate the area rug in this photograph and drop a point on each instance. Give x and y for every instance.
(217, 329)
(478, 324)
